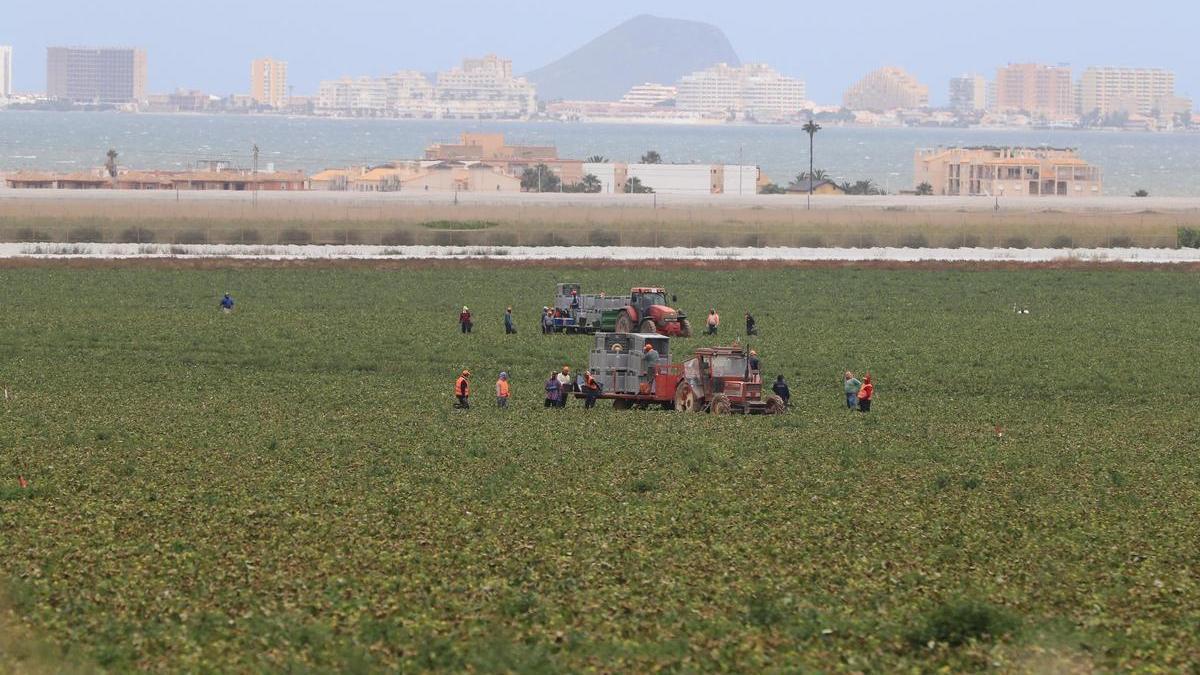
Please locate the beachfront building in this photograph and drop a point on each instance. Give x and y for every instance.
(753, 90)
(6, 85)
(1007, 171)
(968, 94)
(651, 95)
(887, 89)
(1104, 91)
(96, 75)
(484, 88)
(491, 149)
(418, 175)
(218, 180)
(1044, 92)
(268, 82)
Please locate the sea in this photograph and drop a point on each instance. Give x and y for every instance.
(1164, 164)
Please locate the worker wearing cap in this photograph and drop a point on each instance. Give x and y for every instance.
(510, 327)
(462, 390)
(502, 391)
(564, 381)
(650, 362)
(754, 364)
(547, 321)
(227, 303)
(464, 319)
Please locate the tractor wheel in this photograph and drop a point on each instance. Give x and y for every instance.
(622, 404)
(685, 328)
(775, 405)
(624, 323)
(721, 405)
(685, 399)
(647, 326)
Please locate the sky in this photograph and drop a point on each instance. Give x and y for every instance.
(209, 45)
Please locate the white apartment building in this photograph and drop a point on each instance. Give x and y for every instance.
(484, 89)
(409, 94)
(357, 97)
(6, 86)
(968, 93)
(755, 90)
(1108, 90)
(650, 94)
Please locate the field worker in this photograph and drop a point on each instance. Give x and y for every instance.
(575, 300)
(553, 391)
(462, 390)
(866, 394)
(616, 348)
(547, 321)
(852, 387)
(502, 391)
(510, 328)
(591, 389)
(564, 383)
(650, 361)
(754, 364)
(227, 303)
(751, 326)
(714, 321)
(781, 389)
(464, 319)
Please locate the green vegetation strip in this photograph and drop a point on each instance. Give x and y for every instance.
(287, 487)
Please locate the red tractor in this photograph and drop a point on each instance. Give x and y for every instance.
(718, 380)
(648, 312)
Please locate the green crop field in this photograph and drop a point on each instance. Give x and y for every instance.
(288, 488)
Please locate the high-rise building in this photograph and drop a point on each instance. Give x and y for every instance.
(96, 75)
(484, 88)
(753, 89)
(968, 93)
(1130, 90)
(268, 82)
(887, 89)
(1034, 89)
(6, 86)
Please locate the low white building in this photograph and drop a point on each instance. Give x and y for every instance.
(677, 179)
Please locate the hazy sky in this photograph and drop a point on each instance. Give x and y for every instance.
(209, 45)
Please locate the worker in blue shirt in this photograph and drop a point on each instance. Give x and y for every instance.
(227, 303)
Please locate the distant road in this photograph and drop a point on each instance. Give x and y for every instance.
(1006, 205)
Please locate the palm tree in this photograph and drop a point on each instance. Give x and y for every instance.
(651, 157)
(925, 189)
(111, 164)
(811, 128)
(596, 159)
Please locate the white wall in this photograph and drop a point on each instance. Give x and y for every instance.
(675, 179)
(746, 176)
(607, 173)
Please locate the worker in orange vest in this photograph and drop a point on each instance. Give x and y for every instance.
(502, 391)
(865, 394)
(462, 390)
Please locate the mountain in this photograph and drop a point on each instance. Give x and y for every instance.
(643, 49)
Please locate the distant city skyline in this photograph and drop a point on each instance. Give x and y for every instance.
(826, 47)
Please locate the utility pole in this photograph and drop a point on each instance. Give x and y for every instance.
(254, 197)
(739, 170)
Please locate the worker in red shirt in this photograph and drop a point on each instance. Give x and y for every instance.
(865, 394)
(462, 390)
(464, 319)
